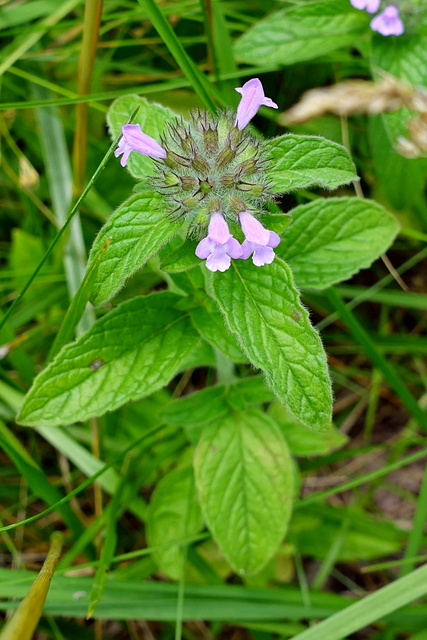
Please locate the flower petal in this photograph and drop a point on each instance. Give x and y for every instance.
(247, 249)
(218, 228)
(253, 229)
(388, 23)
(262, 255)
(252, 98)
(234, 248)
(274, 239)
(141, 142)
(204, 247)
(218, 261)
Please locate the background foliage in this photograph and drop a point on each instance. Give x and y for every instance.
(137, 556)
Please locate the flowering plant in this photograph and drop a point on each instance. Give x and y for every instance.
(209, 191)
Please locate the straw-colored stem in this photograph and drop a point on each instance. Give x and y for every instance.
(92, 20)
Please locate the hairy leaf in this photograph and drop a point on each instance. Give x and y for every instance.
(136, 230)
(153, 119)
(262, 307)
(303, 161)
(129, 353)
(244, 477)
(174, 513)
(305, 32)
(330, 240)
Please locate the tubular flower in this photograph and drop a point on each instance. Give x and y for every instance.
(134, 139)
(259, 241)
(388, 22)
(371, 6)
(252, 98)
(219, 246)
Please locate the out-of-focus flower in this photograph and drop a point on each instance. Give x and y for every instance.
(371, 6)
(388, 22)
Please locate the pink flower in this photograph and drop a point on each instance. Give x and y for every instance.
(135, 140)
(259, 241)
(219, 246)
(252, 98)
(371, 6)
(388, 23)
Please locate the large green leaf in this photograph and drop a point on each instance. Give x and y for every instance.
(262, 307)
(331, 239)
(129, 353)
(153, 119)
(305, 32)
(136, 230)
(174, 513)
(244, 476)
(303, 161)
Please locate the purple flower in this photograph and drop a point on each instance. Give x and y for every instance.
(252, 98)
(219, 246)
(135, 140)
(371, 6)
(388, 22)
(259, 241)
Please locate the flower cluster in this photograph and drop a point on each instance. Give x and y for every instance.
(212, 172)
(388, 22)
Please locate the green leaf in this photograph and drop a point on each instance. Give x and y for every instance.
(331, 239)
(303, 442)
(128, 354)
(244, 476)
(197, 408)
(210, 324)
(304, 161)
(314, 529)
(174, 513)
(305, 32)
(181, 257)
(153, 119)
(137, 229)
(262, 307)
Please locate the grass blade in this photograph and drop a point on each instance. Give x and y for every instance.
(197, 80)
(373, 607)
(375, 356)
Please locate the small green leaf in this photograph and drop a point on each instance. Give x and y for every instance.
(137, 229)
(153, 119)
(180, 258)
(312, 29)
(210, 324)
(129, 353)
(330, 240)
(303, 442)
(244, 476)
(305, 161)
(262, 307)
(197, 408)
(174, 513)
